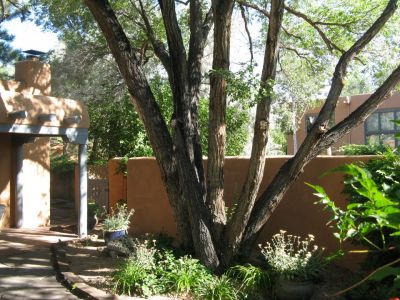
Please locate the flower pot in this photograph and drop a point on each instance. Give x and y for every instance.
(294, 290)
(113, 235)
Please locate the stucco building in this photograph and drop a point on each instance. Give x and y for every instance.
(29, 116)
(378, 128)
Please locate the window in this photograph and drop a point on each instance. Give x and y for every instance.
(379, 128)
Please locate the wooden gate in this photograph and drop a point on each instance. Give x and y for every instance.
(98, 186)
(98, 192)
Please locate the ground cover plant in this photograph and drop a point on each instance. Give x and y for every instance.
(153, 270)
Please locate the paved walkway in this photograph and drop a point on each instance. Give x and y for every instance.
(25, 267)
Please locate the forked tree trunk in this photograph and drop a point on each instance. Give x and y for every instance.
(179, 156)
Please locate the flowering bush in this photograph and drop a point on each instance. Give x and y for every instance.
(119, 219)
(293, 258)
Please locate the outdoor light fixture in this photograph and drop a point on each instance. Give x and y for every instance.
(47, 117)
(18, 114)
(72, 120)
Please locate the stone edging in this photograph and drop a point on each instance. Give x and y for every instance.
(73, 282)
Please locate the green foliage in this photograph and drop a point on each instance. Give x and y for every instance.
(356, 149)
(358, 220)
(292, 257)
(116, 131)
(219, 288)
(118, 219)
(237, 127)
(372, 217)
(61, 164)
(136, 275)
(253, 280)
(183, 275)
(152, 270)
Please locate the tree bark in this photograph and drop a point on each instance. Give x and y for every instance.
(217, 110)
(237, 224)
(147, 109)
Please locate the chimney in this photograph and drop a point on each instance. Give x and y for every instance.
(34, 75)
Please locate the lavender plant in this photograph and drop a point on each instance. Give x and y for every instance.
(293, 258)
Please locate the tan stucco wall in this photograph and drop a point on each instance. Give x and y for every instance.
(356, 136)
(296, 213)
(117, 183)
(34, 75)
(5, 166)
(38, 104)
(36, 172)
(37, 183)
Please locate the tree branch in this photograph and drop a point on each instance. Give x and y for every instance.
(329, 44)
(246, 27)
(255, 7)
(308, 149)
(158, 46)
(199, 30)
(300, 55)
(245, 203)
(360, 114)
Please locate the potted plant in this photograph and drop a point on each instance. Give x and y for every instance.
(117, 222)
(296, 264)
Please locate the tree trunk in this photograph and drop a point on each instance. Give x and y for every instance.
(247, 198)
(217, 110)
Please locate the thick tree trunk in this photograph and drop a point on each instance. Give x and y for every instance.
(217, 110)
(237, 224)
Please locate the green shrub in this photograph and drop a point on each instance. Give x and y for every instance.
(373, 214)
(150, 271)
(219, 288)
(137, 275)
(357, 149)
(61, 164)
(252, 281)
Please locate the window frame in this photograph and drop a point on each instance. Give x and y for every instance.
(380, 132)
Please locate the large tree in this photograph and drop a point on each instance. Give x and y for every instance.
(197, 198)
(8, 11)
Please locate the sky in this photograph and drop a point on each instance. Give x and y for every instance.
(29, 36)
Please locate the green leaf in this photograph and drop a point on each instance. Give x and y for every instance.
(385, 272)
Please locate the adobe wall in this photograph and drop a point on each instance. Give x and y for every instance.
(37, 183)
(5, 166)
(36, 172)
(117, 183)
(296, 213)
(356, 136)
